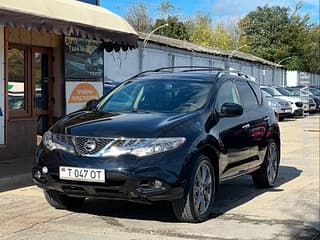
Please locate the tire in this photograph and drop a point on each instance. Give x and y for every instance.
(61, 201)
(266, 176)
(199, 193)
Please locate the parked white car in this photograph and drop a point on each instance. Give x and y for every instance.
(281, 107)
(295, 102)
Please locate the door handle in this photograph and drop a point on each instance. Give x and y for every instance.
(246, 126)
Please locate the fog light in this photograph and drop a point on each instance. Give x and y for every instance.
(44, 170)
(37, 174)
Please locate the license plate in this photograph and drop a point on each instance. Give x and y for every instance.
(82, 174)
(287, 110)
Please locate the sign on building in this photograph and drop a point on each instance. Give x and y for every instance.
(84, 66)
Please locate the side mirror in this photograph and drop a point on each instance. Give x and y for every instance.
(92, 104)
(231, 110)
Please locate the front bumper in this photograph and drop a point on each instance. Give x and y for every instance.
(127, 177)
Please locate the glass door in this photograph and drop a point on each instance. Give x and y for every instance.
(42, 88)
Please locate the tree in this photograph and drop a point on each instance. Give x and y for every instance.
(138, 17)
(274, 33)
(176, 29)
(201, 30)
(166, 9)
(263, 29)
(221, 37)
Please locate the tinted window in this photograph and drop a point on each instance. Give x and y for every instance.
(248, 98)
(257, 91)
(172, 96)
(227, 94)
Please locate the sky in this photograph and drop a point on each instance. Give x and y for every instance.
(225, 11)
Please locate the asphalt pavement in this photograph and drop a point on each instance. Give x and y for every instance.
(291, 210)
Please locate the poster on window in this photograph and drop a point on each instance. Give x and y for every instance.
(83, 59)
(83, 72)
(79, 93)
(2, 88)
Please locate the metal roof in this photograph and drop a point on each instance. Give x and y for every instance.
(184, 45)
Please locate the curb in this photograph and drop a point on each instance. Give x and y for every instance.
(15, 181)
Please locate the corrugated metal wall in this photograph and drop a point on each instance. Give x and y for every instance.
(120, 66)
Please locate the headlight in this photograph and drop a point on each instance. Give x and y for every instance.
(115, 147)
(47, 140)
(274, 105)
(51, 142)
(143, 147)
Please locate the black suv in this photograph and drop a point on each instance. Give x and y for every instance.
(169, 134)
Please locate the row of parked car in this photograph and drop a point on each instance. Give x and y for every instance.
(292, 101)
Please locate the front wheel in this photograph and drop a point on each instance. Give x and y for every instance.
(197, 203)
(61, 201)
(266, 176)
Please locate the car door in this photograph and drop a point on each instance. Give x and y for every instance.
(257, 118)
(233, 133)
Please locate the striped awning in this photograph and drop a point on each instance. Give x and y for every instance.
(70, 18)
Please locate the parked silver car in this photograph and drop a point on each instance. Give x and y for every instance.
(281, 107)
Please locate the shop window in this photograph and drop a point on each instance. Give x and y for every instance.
(29, 85)
(17, 84)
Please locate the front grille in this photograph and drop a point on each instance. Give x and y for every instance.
(299, 104)
(87, 145)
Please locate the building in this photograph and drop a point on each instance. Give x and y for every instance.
(157, 51)
(51, 60)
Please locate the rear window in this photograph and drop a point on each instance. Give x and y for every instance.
(247, 96)
(257, 92)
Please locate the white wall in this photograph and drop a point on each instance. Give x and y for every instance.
(295, 78)
(2, 87)
(123, 65)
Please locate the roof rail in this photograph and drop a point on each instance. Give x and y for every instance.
(171, 69)
(236, 73)
(194, 69)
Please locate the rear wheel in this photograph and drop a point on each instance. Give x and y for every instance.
(266, 176)
(197, 203)
(61, 201)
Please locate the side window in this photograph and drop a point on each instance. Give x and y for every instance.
(227, 94)
(247, 96)
(257, 91)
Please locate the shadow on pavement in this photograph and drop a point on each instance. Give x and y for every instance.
(230, 195)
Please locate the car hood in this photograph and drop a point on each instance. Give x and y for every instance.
(289, 98)
(112, 124)
(275, 100)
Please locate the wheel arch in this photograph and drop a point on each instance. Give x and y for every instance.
(210, 149)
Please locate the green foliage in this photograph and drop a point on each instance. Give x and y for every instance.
(201, 30)
(176, 28)
(221, 37)
(274, 33)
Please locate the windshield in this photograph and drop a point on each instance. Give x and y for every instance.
(171, 96)
(298, 92)
(315, 91)
(272, 91)
(265, 94)
(286, 92)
